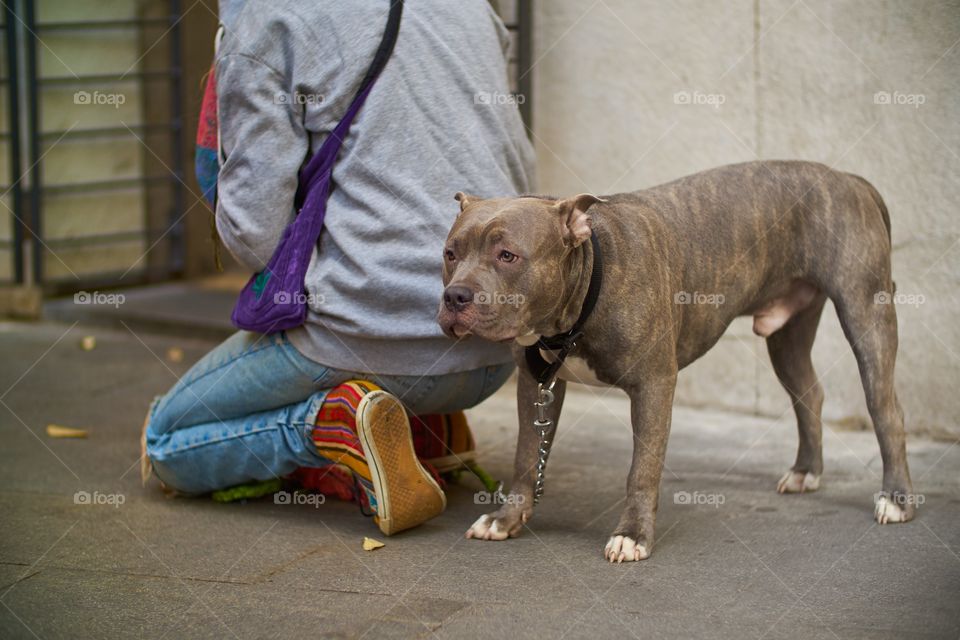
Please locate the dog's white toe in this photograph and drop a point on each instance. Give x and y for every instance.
(486, 528)
(798, 482)
(624, 549)
(887, 511)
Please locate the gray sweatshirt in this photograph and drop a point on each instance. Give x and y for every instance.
(438, 121)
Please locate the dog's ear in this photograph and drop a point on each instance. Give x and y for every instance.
(465, 200)
(573, 214)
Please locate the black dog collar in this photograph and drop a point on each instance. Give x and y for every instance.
(563, 343)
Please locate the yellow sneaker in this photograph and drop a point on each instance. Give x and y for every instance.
(407, 495)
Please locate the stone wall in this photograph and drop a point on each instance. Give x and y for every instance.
(631, 93)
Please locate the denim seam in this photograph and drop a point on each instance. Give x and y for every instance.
(309, 422)
(233, 436)
(298, 360)
(320, 378)
(226, 364)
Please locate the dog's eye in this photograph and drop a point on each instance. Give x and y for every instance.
(448, 254)
(506, 256)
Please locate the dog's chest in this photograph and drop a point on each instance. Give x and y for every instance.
(575, 369)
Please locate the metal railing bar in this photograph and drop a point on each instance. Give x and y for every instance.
(105, 132)
(525, 59)
(13, 105)
(78, 25)
(33, 148)
(102, 239)
(105, 185)
(161, 74)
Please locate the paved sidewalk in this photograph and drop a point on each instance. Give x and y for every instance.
(199, 308)
(743, 562)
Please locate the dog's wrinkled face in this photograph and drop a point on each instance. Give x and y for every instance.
(505, 265)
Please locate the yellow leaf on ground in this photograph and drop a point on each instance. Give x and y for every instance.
(56, 431)
(89, 343)
(175, 354)
(369, 544)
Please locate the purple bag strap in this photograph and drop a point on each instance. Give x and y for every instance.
(273, 299)
(323, 160)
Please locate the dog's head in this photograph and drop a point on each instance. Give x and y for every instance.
(506, 264)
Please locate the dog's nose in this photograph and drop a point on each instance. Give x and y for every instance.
(456, 297)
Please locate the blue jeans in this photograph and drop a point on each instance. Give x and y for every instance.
(246, 411)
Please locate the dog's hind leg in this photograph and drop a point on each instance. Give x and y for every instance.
(869, 321)
(789, 349)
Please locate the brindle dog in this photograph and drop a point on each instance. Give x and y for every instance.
(773, 240)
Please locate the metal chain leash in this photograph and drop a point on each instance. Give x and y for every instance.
(542, 424)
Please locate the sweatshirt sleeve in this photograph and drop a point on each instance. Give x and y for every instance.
(264, 143)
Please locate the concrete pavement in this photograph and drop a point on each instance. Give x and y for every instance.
(733, 559)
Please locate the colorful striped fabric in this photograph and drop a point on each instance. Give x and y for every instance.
(443, 443)
(335, 435)
(443, 440)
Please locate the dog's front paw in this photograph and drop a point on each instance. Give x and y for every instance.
(798, 482)
(499, 525)
(625, 549)
(892, 508)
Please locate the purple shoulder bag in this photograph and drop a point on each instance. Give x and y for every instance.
(274, 299)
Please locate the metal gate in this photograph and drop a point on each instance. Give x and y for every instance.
(517, 15)
(93, 190)
(92, 139)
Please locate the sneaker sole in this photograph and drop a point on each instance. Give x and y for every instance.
(407, 495)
